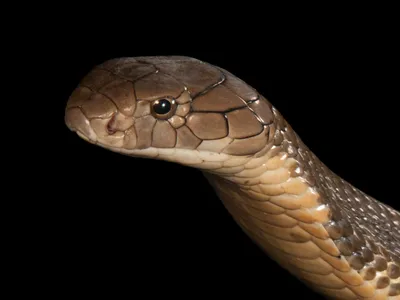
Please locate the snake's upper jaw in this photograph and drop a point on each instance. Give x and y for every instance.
(77, 122)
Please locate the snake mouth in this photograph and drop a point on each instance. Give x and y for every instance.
(77, 122)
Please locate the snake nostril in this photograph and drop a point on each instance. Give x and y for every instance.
(111, 128)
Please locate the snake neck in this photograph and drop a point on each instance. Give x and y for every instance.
(312, 222)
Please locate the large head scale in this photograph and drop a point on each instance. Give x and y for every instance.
(167, 107)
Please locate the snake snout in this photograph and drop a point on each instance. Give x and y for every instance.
(77, 121)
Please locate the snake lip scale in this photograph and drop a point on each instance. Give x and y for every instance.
(339, 241)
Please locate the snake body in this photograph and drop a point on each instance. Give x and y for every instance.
(341, 242)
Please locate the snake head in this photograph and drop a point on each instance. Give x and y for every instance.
(169, 106)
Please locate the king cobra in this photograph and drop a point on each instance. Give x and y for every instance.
(339, 241)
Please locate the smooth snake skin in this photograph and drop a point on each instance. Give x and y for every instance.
(339, 241)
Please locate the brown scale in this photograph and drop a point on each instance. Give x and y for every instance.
(393, 271)
(334, 230)
(244, 91)
(176, 121)
(121, 92)
(98, 106)
(382, 282)
(201, 78)
(379, 263)
(207, 126)
(356, 261)
(186, 139)
(97, 78)
(183, 109)
(253, 144)
(130, 70)
(144, 127)
(367, 254)
(243, 123)
(142, 109)
(164, 135)
(263, 110)
(278, 138)
(156, 86)
(394, 289)
(227, 100)
(368, 273)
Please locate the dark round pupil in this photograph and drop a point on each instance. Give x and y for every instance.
(162, 107)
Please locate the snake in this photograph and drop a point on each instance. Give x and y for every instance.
(339, 241)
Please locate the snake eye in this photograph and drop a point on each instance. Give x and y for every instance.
(163, 108)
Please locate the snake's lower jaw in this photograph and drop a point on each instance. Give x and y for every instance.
(77, 122)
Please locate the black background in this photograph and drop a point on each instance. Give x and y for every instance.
(128, 225)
